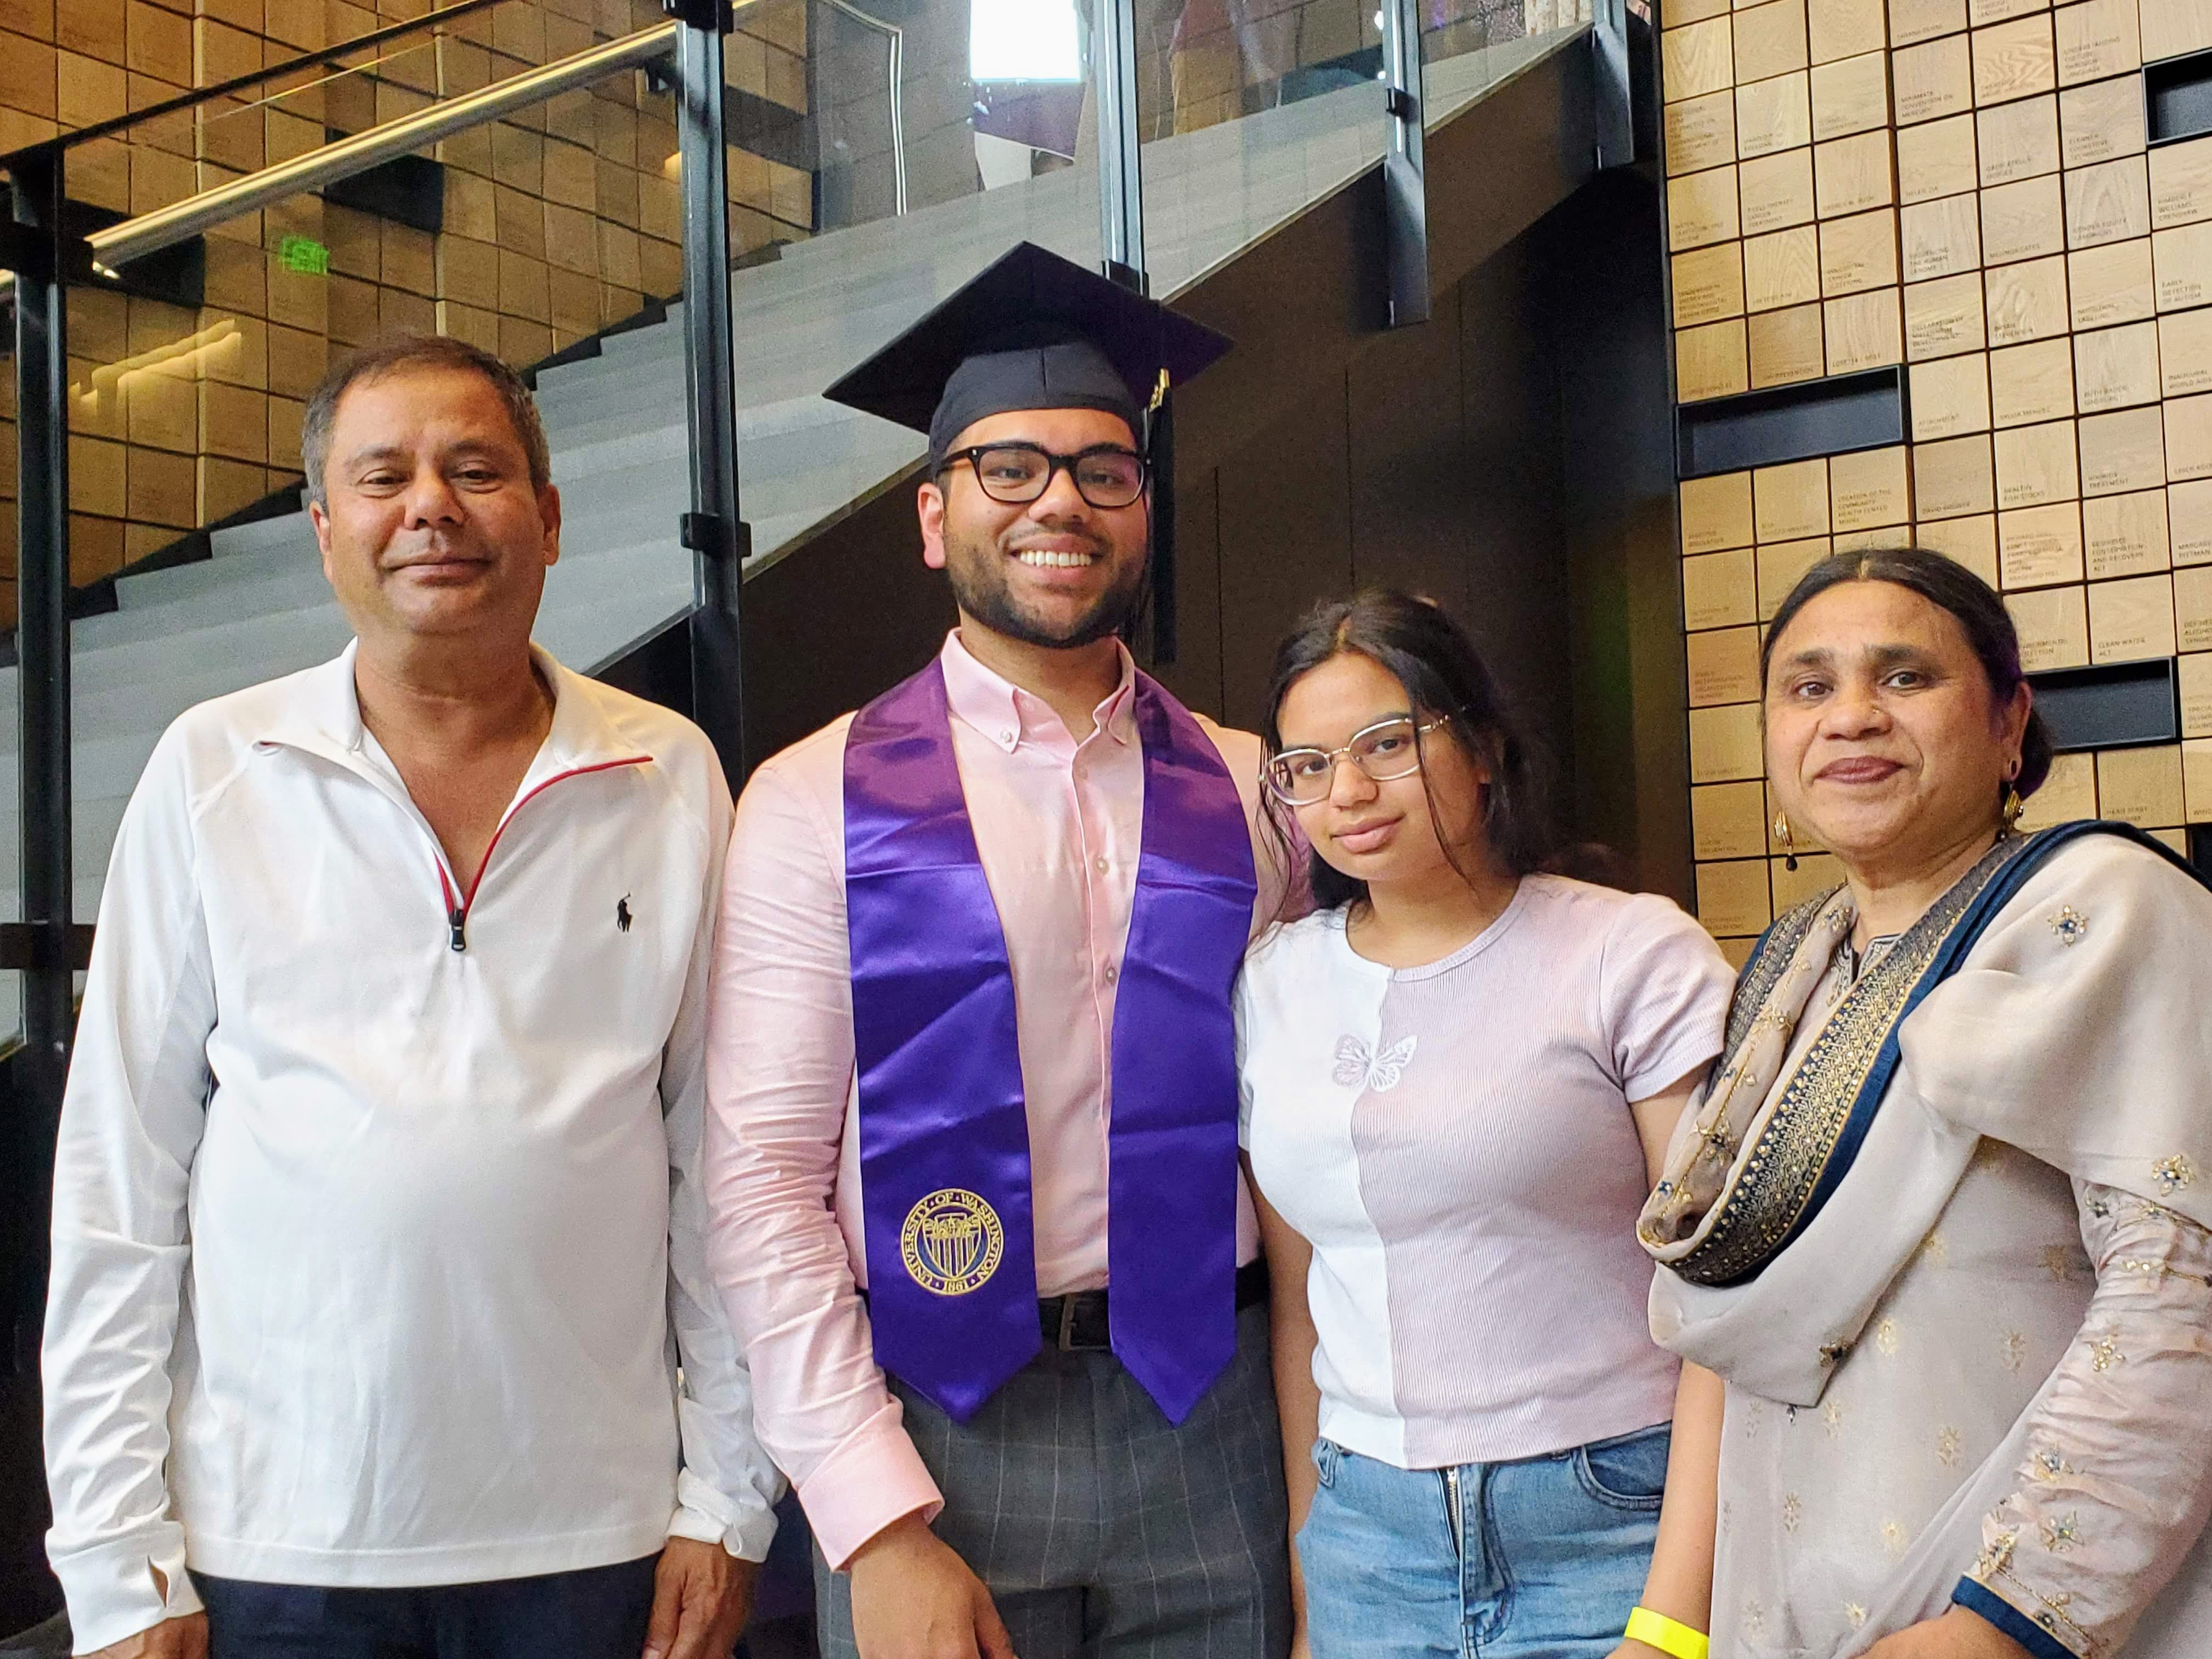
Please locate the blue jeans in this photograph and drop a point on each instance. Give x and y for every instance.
(1539, 1559)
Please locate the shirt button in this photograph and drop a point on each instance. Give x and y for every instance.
(1008, 734)
(1112, 973)
(1101, 862)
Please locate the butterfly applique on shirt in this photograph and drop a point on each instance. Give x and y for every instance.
(1358, 1066)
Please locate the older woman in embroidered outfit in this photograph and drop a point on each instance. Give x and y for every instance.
(1941, 1219)
(1458, 1075)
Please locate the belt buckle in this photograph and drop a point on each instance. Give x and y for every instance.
(1067, 1324)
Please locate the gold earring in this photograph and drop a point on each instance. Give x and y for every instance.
(1788, 841)
(2013, 806)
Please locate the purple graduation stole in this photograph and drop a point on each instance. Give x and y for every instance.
(944, 1156)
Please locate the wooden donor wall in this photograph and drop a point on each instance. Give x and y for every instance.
(558, 221)
(1982, 231)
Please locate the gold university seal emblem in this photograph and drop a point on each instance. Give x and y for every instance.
(952, 1241)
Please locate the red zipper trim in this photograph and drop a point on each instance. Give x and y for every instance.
(458, 915)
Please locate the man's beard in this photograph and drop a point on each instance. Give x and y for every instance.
(977, 569)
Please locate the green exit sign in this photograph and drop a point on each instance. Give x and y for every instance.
(305, 255)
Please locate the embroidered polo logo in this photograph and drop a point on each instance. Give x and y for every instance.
(951, 1243)
(623, 917)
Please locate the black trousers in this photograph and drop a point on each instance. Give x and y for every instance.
(597, 1612)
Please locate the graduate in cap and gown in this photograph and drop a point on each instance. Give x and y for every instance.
(972, 1164)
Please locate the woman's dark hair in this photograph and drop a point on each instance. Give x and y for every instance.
(1445, 676)
(1949, 587)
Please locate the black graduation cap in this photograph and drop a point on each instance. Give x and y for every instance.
(1032, 331)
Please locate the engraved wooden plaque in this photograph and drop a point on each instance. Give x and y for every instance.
(2185, 353)
(1937, 159)
(2171, 27)
(2197, 698)
(2097, 39)
(2054, 627)
(2180, 183)
(2027, 301)
(2187, 425)
(1710, 361)
(2141, 786)
(1950, 395)
(2108, 203)
(2124, 535)
(1787, 346)
(1844, 28)
(1932, 80)
(2114, 368)
(1912, 20)
(2017, 141)
(2182, 261)
(1944, 317)
(1851, 95)
(2189, 510)
(1781, 566)
(2131, 620)
(2192, 608)
(1869, 489)
(2122, 452)
(1951, 480)
(1942, 237)
(1972, 542)
(1719, 590)
(1717, 513)
(1725, 744)
(1777, 191)
(1697, 59)
(1708, 284)
(2014, 60)
(1701, 133)
(1782, 270)
(2111, 284)
(1790, 503)
(1858, 253)
(2031, 383)
(1732, 896)
(2070, 792)
(1728, 820)
(1864, 331)
(1702, 209)
(2039, 546)
(1773, 115)
(1770, 41)
(2101, 122)
(1852, 175)
(2024, 221)
(2037, 464)
(1724, 666)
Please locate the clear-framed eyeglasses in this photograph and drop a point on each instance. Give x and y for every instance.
(1385, 752)
(1107, 476)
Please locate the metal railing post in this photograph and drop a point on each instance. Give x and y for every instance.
(713, 531)
(41, 261)
(1120, 184)
(1405, 187)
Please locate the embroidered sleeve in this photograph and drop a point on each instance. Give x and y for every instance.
(2117, 1482)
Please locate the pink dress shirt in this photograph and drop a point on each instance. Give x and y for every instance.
(1058, 826)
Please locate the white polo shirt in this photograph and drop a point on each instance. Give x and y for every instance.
(374, 1258)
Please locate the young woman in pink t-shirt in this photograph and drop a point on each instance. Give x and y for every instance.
(1459, 1077)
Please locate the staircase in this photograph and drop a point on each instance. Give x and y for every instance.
(259, 607)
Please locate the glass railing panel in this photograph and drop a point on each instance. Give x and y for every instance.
(190, 368)
(995, 124)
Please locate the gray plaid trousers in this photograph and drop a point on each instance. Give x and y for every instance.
(1103, 1530)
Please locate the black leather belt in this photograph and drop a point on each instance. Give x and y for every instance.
(1077, 1322)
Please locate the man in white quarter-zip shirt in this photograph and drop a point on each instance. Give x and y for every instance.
(378, 1237)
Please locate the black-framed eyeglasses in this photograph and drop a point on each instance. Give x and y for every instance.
(1106, 475)
(1385, 752)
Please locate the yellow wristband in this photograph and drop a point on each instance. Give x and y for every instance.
(1669, 1635)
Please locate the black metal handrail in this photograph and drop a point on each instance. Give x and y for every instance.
(193, 100)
